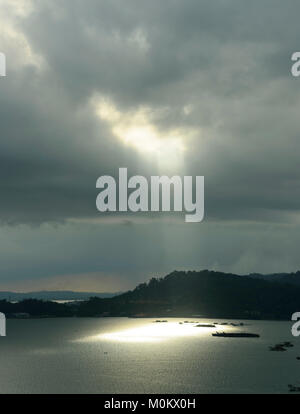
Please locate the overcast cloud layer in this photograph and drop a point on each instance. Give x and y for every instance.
(173, 87)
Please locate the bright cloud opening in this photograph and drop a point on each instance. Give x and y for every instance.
(138, 130)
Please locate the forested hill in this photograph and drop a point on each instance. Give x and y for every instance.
(205, 293)
(290, 278)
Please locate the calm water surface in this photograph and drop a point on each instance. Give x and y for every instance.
(121, 355)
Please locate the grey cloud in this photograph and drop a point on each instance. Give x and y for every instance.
(227, 61)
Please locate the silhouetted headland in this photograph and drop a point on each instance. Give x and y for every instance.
(202, 294)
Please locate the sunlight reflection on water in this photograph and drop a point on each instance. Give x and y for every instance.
(152, 332)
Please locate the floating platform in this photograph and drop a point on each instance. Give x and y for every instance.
(235, 335)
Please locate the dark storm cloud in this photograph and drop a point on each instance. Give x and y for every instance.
(220, 70)
(229, 61)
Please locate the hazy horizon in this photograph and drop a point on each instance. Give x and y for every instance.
(144, 281)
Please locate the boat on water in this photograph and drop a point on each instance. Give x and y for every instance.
(235, 335)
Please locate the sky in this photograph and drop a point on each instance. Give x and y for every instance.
(167, 87)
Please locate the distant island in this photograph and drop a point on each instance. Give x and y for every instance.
(192, 293)
(54, 295)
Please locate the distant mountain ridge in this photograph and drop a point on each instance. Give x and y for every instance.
(290, 278)
(54, 295)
